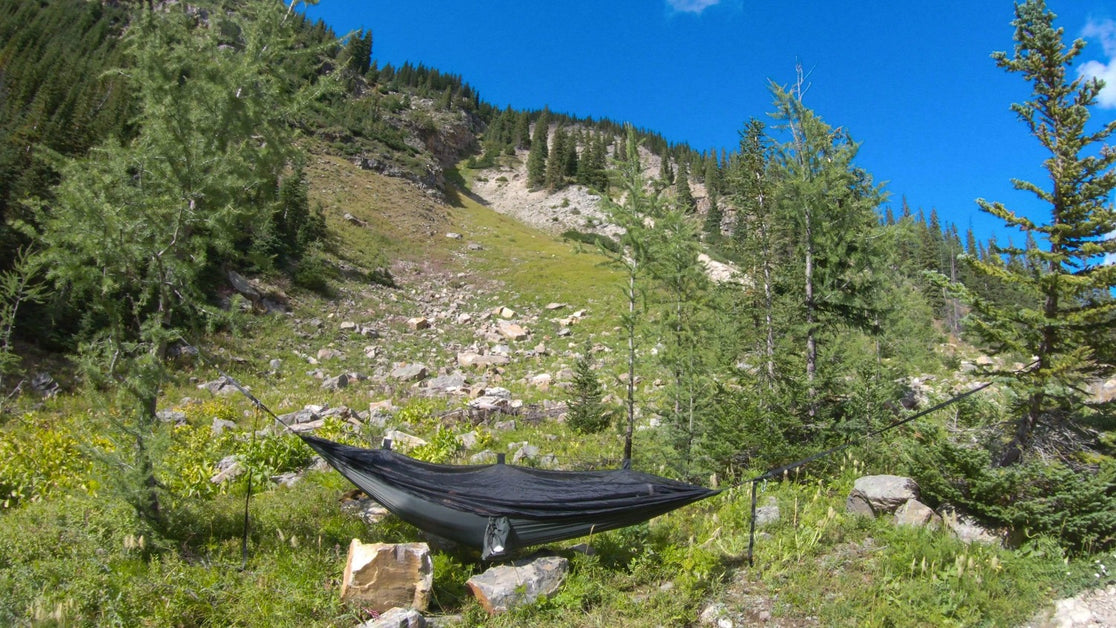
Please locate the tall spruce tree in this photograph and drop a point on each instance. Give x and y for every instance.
(1066, 310)
(683, 195)
(536, 158)
(828, 204)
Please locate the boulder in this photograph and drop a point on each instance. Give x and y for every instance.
(505, 587)
(227, 469)
(220, 425)
(445, 383)
(468, 440)
(916, 513)
(490, 403)
(469, 358)
(305, 415)
(968, 530)
(512, 331)
(397, 618)
(768, 513)
(418, 323)
(874, 495)
(410, 373)
(219, 386)
(171, 416)
(336, 383)
(403, 439)
(382, 576)
(243, 286)
(329, 353)
(523, 451)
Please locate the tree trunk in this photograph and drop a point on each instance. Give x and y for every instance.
(811, 341)
(631, 368)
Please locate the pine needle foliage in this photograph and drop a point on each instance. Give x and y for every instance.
(1063, 312)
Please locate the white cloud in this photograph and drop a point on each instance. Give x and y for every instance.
(691, 6)
(1105, 31)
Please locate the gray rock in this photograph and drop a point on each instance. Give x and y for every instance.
(171, 416)
(504, 426)
(336, 383)
(768, 513)
(288, 479)
(451, 382)
(397, 618)
(305, 415)
(243, 286)
(219, 386)
(410, 373)
(968, 530)
(505, 587)
(220, 425)
(329, 353)
(484, 457)
(916, 513)
(523, 451)
(716, 614)
(468, 440)
(228, 468)
(875, 495)
(275, 365)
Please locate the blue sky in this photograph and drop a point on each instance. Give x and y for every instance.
(912, 82)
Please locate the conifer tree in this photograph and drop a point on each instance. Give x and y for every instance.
(634, 258)
(139, 229)
(713, 217)
(555, 176)
(683, 196)
(586, 413)
(1068, 310)
(537, 157)
(830, 207)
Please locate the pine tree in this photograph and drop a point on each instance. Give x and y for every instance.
(1068, 309)
(555, 178)
(683, 196)
(713, 218)
(829, 206)
(196, 191)
(586, 413)
(537, 157)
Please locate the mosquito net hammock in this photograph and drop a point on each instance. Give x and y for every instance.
(499, 508)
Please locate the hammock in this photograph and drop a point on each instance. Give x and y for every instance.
(499, 508)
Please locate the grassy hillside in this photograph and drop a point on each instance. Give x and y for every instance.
(90, 560)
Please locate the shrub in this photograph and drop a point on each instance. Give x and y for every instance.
(1037, 498)
(42, 461)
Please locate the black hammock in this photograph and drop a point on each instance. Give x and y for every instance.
(498, 508)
